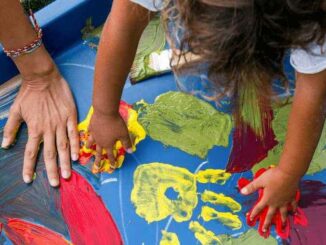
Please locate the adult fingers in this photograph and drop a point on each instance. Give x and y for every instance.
(30, 156)
(73, 136)
(10, 130)
(63, 152)
(50, 158)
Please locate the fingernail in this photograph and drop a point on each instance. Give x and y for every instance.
(27, 179)
(65, 174)
(75, 157)
(5, 143)
(130, 150)
(244, 191)
(54, 182)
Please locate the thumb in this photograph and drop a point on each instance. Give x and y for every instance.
(251, 188)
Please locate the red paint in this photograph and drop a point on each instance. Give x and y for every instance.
(283, 231)
(22, 232)
(87, 218)
(249, 149)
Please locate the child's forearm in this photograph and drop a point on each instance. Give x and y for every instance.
(117, 48)
(305, 123)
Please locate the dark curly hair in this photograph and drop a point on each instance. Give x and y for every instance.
(243, 42)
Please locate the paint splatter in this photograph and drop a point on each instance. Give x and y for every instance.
(205, 237)
(169, 238)
(136, 131)
(151, 181)
(214, 176)
(251, 237)
(87, 218)
(226, 218)
(23, 232)
(220, 199)
(248, 148)
(279, 125)
(186, 122)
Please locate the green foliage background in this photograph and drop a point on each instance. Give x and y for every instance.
(34, 4)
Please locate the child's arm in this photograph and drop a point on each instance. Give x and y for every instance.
(304, 129)
(117, 49)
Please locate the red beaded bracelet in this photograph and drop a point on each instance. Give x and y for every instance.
(31, 47)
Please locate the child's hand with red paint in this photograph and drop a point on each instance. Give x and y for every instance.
(279, 191)
(105, 130)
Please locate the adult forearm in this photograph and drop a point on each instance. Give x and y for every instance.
(116, 53)
(305, 123)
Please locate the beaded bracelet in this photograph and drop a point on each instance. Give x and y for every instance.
(31, 47)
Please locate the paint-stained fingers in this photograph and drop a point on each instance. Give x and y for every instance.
(90, 141)
(73, 136)
(257, 210)
(10, 130)
(30, 156)
(126, 143)
(251, 188)
(98, 157)
(294, 205)
(63, 152)
(50, 159)
(111, 157)
(284, 214)
(269, 218)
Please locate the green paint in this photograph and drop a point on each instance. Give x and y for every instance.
(251, 237)
(186, 122)
(279, 125)
(152, 40)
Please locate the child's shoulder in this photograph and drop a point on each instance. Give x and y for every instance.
(310, 60)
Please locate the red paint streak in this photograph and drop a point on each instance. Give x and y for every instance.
(87, 218)
(283, 231)
(124, 110)
(23, 232)
(248, 148)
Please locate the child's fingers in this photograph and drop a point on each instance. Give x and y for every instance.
(269, 218)
(90, 141)
(251, 188)
(98, 156)
(127, 145)
(294, 206)
(284, 214)
(257, 210)
(111, 157)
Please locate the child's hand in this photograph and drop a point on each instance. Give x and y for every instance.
(279, 191)
(105, 131)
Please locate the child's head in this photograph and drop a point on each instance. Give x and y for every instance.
(245, 40)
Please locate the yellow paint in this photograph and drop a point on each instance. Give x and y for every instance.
(169, 238)
(151, 181)
(205, 237)
(213, 176)
(220, 199)
(135, 129)
(226, 218)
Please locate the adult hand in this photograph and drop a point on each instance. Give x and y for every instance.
(46, 104)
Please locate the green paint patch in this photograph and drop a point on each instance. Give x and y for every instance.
(251, 237)
(279, 124)
(186, 122)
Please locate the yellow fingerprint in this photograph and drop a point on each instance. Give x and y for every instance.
(215, 176)
(226, 218)
(205, 237)
(220, 199)
(169, 238)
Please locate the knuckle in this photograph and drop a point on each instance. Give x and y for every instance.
(50, 155)
(30, 154)
(63, 145)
